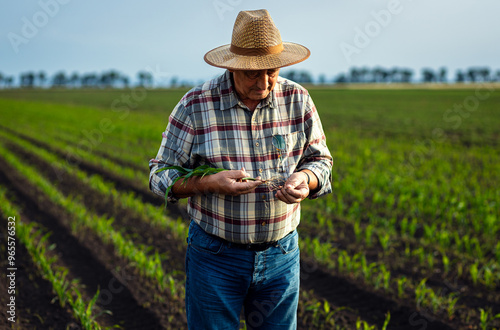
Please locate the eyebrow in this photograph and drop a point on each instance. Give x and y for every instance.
(255, 73)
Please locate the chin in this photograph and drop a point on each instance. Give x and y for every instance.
(260, 96)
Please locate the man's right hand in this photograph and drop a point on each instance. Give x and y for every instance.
(230, 183)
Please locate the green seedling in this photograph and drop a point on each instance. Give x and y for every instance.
(188, 173)
(485, 318)
(401, 286)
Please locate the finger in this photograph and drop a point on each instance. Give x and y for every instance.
(235, 174)
(284, 197)
(246, 187)
(279, 195)
(294, 193)
(244, 172)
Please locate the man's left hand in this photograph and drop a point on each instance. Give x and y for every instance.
(295, 189)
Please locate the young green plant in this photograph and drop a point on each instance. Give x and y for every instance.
(187, 173)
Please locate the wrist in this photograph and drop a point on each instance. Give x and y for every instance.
(206, 185)
(308, 178)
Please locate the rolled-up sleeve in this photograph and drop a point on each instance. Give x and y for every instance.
(174, 151)
(316, 157)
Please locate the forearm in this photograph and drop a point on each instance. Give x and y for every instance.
(225, 183)
(193, 186)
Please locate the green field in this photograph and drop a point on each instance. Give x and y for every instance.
(409, 235)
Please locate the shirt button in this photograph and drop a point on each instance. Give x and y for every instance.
(256, 144)
(264, 223)
(260, 170)
(263, 197)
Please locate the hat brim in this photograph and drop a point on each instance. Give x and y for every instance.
(222, 57)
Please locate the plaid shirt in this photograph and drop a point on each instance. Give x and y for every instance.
(210, 125)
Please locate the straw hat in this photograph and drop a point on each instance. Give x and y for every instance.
(256, 45)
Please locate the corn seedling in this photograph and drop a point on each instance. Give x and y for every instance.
(460, 269)
(341, 261)
(322, 251)
(357, 231)
(420, 293)
(446, 263)
(430, 231)
(404, 227)
(401, 286)
(315, 309)
(383, 278)
(363, 325)
(384, 240)
(322, 314)
(497, 252)
(443, 237)
(407, 252)
(474, 273)
(420, 253)
(430, 261)
(467, 244)
(488, 277)
(485, 320)
(478, 250)
(434, 300)
(352, 264)
(413, 227)
(387, 320)
(451, 301)
(366, 269)
(386, 276)
(368, 235)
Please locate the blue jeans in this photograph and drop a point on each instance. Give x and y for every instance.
(222, 279)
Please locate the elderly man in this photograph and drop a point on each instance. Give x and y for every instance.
(242, 244)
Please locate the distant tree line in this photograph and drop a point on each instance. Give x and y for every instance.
(6, 81)
(114, 79)
(403, 75)
(108, 79)
(375, 75)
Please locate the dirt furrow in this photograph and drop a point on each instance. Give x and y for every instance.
(141, 190)
(135, 228)
(35, 303)
(128, 296)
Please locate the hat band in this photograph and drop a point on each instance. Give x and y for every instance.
(256, 51)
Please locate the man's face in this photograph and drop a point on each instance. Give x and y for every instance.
(254, 85)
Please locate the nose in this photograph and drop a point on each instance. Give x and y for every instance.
(263, 81)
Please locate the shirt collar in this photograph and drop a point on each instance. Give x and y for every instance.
(230, 99)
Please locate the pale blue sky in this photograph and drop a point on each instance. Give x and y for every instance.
(170, 37)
